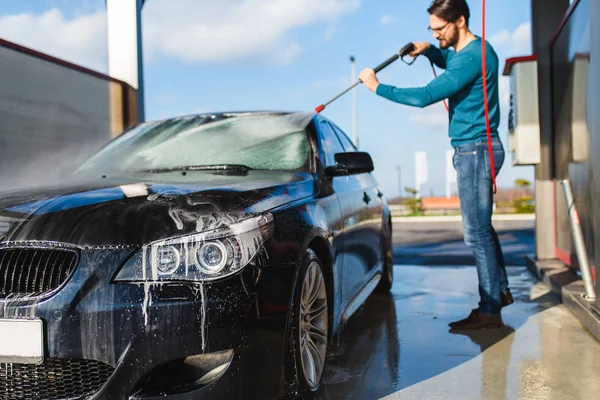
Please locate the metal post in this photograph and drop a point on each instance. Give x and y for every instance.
(584, 266)
(354, 111)
(125, 60)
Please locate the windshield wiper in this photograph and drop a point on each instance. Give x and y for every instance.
(217, 167)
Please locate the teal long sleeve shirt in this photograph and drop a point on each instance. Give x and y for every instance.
(462, 84)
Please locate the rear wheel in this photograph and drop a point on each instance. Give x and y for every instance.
(310, 325)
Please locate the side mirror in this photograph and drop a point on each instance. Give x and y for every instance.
(351, 163)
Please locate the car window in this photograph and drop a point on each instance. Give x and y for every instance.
(266, 142)
(331, 143)
(348, 145)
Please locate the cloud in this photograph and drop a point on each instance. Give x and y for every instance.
(206, 31)
(194, 31)
(387, 20)
(521, 39)
(500, 38)
(81, 40)
(516, 42)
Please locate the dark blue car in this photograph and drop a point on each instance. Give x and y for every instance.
(210, 256)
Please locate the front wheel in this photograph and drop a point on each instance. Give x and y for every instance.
(310, 325)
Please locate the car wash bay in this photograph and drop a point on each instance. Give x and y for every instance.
(399, 346)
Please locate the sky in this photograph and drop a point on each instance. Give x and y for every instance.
(291, 55)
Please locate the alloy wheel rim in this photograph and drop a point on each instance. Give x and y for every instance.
(313, 324)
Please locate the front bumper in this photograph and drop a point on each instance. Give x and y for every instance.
(135, 330)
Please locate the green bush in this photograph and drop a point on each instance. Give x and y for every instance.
(524, 205)
(503, 204)
(414, 205)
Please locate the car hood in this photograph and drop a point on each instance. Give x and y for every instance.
(136, 210)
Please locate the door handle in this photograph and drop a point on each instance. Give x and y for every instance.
(366, 198)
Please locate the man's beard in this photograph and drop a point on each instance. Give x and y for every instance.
(449, 42)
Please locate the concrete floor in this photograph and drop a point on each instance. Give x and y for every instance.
(399, 346)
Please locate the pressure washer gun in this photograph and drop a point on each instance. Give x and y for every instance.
(406, 50)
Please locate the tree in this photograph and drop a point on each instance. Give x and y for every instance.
(411, 191)
(524, 203)
(522, 184)
(414, 204)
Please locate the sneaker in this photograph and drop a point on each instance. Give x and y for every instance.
(478, 320)
(507, 298)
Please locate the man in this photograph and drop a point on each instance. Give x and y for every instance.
(462, 84)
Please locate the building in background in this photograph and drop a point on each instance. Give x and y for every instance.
(441, 205)
(54, 115)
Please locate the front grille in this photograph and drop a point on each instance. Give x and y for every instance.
(52, 380)
(33, 271)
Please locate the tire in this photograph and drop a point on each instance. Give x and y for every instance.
(387, 278)
(310, 326)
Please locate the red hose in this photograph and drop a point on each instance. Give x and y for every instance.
(485, 97)
(435, 74)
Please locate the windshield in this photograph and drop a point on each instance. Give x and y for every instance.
(266, 142)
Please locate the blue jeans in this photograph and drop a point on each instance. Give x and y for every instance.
(475, 189)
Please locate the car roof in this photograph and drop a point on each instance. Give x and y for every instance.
(302, 117)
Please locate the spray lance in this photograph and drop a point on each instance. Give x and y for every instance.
(401, 54)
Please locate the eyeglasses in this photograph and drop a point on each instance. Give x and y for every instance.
(440, 29)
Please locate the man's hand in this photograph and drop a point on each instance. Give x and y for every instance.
(367, 76)
(420, 48)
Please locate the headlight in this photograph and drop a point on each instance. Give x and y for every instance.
(168, 260)
(212, 257)
(200, 257)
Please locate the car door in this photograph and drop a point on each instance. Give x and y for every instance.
(329, 146)
(365, 237)
(355, 268)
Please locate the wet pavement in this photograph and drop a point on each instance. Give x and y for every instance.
(398, 346)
